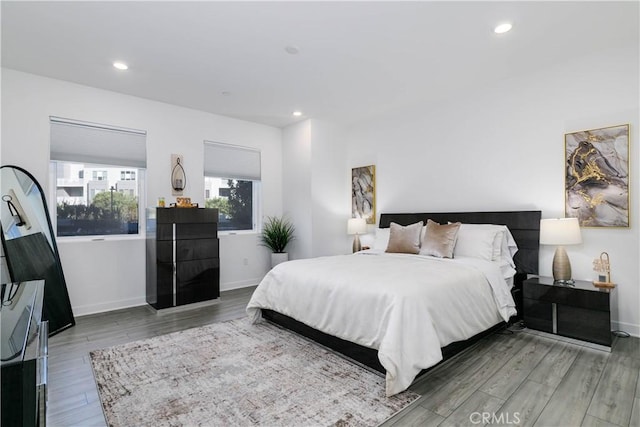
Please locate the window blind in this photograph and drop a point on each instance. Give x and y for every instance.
(231, 161)
(83, 142)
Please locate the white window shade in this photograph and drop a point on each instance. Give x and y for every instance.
(231, 161)
(82, 142)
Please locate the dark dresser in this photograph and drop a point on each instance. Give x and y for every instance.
(183, 264)
(581, 311)
(23, 354)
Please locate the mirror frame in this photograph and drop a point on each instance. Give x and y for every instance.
(54, 246)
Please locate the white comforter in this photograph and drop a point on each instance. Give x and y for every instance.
(405, 306)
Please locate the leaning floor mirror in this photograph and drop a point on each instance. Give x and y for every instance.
(29, 244)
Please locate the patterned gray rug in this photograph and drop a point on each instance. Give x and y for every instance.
(237, 374)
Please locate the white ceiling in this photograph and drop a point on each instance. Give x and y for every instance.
(356, 60)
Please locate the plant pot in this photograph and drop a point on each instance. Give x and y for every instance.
(277, 258)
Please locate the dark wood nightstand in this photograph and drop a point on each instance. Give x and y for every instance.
(581, 311)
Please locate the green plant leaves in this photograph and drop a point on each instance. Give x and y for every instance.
(277, 233)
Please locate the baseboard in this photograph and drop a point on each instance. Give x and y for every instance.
(630, 328)
(87, 309)
(239, 284)
(84, 310)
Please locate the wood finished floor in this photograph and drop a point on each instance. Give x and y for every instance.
(540, 381)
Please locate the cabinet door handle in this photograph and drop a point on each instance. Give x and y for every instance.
(44, 338)
(42, 361)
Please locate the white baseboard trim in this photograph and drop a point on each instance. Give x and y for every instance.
(630, 328)
(239, 284)
(87, 309)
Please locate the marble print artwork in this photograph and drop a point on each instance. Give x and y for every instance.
(363, 193)
(597, 177)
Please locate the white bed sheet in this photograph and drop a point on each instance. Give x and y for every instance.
(405, 306)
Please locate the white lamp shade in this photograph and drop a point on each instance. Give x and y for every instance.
(560, 231)
(356, 226)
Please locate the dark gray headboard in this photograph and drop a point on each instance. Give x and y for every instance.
(524, 226)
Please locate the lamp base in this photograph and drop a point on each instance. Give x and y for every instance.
(357, 247)
(561, 267)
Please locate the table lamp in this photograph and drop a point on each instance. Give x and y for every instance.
(356, 226)
(560, 232)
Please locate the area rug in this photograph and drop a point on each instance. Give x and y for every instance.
(236, 374)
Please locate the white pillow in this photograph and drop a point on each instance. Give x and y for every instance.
(477, 241)
(509, 247)
(382, 238)
(497, 244)
(486, 241)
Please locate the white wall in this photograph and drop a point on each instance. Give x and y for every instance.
(502, 148)
(331, 205)
(4, 271)
(314, 197)
(296, 187)
(111, 274)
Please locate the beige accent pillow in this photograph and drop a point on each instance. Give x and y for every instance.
(405, 240)
(440, 239)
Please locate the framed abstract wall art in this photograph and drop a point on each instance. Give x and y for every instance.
(363, 193)
(597, 176)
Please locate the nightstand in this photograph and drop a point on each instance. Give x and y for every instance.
(581, 311)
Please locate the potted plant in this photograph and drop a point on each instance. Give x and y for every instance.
(276, 235)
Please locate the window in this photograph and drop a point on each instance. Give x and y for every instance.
(232, 185)
(99, 175)
(97, 172)
(128, 175)
(234, 199)
(106, 210)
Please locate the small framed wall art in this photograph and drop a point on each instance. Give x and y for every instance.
(597, 176)
(363, 193)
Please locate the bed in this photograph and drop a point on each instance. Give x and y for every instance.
(403, 313)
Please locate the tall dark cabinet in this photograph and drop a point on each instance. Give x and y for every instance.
(183, 264)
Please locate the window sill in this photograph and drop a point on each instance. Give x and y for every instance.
(237, 233)
(85, 239)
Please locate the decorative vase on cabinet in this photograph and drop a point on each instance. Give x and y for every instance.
(183, 264)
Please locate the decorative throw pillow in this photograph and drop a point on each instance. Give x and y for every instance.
(440, 239)
(405, 239)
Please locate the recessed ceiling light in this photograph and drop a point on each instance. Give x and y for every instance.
(292, 50)
(120, 65)
(502, 28)
(297, 113)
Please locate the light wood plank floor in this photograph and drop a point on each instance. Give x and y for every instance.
(509, 379)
